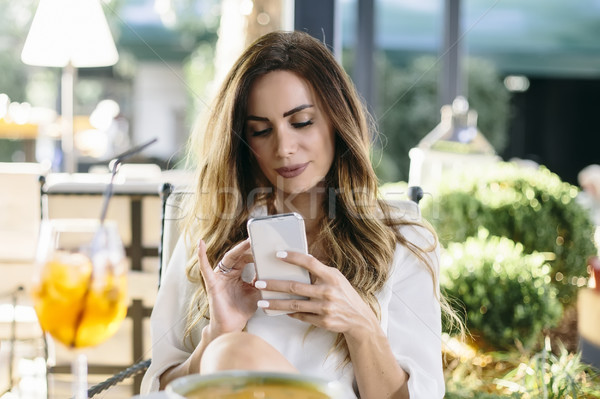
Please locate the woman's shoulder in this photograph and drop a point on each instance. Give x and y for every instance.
(403, 209)
(419, 235)
(418, 251)
(406, 220)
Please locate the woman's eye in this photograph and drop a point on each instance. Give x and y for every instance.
(302, 124)
(256, 133)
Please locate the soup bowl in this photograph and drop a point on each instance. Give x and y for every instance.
(253, 384)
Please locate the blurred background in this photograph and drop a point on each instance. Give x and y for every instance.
(531, 70)
(453, 86)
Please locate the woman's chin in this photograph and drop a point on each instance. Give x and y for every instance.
(299, 189)
(313, 186)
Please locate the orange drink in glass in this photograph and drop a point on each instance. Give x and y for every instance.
(80, 289)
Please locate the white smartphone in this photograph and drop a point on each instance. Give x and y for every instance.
(269, 234)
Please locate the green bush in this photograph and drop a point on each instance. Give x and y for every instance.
(506, 294)
(530, 206)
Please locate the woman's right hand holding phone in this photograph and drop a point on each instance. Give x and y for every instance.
(231, 300)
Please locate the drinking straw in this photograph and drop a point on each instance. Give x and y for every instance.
(116, 162)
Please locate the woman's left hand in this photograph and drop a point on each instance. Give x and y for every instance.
(333, 304)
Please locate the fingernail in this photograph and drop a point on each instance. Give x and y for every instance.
(281, 254)
(260, 284)
(262, 304)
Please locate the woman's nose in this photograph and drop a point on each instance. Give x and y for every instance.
(286, 143)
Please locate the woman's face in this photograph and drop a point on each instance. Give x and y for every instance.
(289, 135)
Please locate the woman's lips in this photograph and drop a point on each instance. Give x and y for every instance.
(291, 171)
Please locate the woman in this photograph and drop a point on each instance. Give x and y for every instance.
(287, 132)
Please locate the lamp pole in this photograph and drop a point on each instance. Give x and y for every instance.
(68, 132)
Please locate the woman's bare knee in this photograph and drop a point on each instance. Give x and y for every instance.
(242, 351)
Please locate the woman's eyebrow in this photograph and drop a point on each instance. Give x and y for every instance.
(285, 114)
(257, 118)
(297, 109)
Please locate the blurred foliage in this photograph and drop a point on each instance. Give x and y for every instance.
(16, 18)
(199, 72)
(13, 77)
(530, 206)
(394, 191)
(506, 294)
(197, 24)
(196, 21)
(408, 108)
(468, 394)
(11, 150)
(548, 373)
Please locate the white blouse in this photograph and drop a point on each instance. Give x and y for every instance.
(410, 316)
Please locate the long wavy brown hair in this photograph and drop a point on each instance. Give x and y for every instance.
(358, 232)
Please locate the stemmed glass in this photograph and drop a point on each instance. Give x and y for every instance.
(79, 288)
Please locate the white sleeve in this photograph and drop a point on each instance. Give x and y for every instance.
(414, 326)
(167, 323)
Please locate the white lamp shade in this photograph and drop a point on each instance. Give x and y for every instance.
(72, 31)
